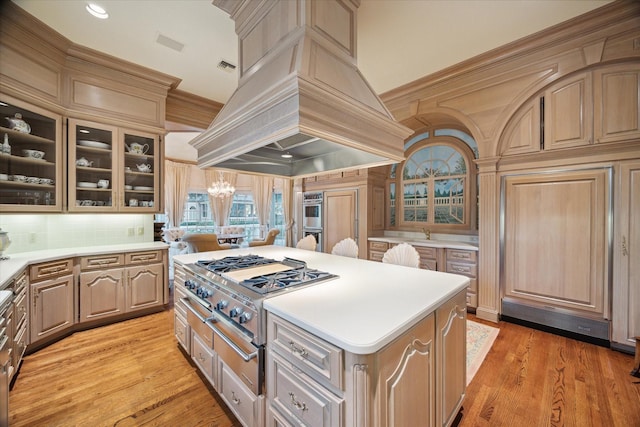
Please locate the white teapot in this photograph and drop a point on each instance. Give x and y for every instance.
(144, 168)
(136, 148)
(83, 162)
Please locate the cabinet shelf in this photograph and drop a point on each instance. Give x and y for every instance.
(26, 160)
(15, 136)
(26, 185)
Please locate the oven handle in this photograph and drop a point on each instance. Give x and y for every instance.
(209, 321)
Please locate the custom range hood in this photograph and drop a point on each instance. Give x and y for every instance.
(300, 94)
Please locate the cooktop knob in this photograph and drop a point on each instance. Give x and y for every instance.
(222, 304)
(235, 311)
(244, 317)
(189, 284)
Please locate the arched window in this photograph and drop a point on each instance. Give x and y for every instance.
(435, 186)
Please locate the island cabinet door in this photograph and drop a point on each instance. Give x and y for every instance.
(451, 358)
(406, 379)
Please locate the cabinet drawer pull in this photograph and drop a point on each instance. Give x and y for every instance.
(299, 405)
(234, 399)
(300, 350)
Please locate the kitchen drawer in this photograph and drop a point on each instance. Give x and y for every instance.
(378, 246)
(204, 357)
(301, 400)
(469, 270)
(429, 264)
(47, 270)
(376, 256)
(101, 261)
(20, 345)
(179, 292)
(146, 257)
(182, 331)
(276, 419)
(20, 310)
(314, 356)
(245, 405)
(461, 255)
(426, 252)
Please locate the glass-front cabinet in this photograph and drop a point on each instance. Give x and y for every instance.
(31, 177)
(112, 169)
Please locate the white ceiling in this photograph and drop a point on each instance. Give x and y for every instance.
(398, 40)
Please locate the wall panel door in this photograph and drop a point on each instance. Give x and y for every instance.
(555, 239)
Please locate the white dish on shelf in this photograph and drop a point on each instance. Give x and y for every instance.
(93, 144)
(83, 184)
(142, 188)
(128, 187)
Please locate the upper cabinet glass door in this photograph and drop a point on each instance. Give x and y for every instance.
(140, 172)
(92, 160)
(31, 178)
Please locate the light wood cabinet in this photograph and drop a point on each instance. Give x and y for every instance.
(248, 408)
(340, 216)
(617, 103)
(144, 286)
(626, 269)
(568, 113)
(19, 321)
(113, 284)
(465, 262)
(29, 184)
(599, 106)
(451, 358)
(417, 379)
(377, 250)
(555, 239)
(107, 173)
(102, 293)
(52, 306)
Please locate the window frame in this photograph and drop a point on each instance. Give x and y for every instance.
(469, 223)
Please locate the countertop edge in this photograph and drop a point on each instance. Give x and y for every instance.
(426, 243)
(10, 267)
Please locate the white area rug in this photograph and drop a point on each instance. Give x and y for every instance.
(480, 338)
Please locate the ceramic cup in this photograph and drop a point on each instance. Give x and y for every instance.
(47, 181)
(4, 177)
(151, 203)
(33, 180)
(103, 183)
(145, 203)
(133, 202)
(18, 178)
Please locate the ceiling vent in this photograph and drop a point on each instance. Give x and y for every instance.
(169, 42)
(226, 66)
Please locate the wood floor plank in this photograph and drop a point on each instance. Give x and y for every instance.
(134, 374)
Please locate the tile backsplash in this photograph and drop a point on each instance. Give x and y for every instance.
(33, 232)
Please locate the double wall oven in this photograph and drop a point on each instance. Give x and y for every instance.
(312, 221)
(222, 302)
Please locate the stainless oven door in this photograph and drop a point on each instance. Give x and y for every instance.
(234, 348)
(312, 215)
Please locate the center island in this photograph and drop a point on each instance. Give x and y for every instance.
(378, 345)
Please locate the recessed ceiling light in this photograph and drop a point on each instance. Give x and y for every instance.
(97, 11)
(83, 131)
(286, 156)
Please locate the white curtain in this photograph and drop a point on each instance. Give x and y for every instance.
(176, 189)
(287, 203)
(262, 189)
(220, 206)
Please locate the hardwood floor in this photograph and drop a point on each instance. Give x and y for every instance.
(132, 373)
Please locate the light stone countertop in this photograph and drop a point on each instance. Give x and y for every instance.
(9, 268)
(448, 244)
(365, 308)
